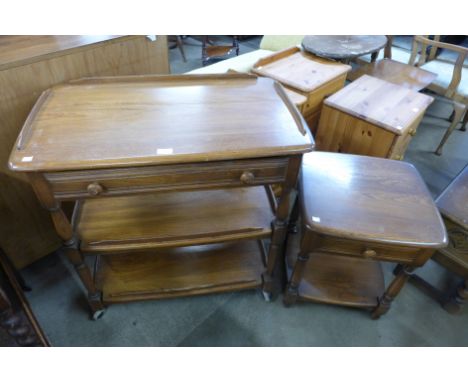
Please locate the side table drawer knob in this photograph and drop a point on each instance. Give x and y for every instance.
(247, 177)
(369, 253)
(95, 189)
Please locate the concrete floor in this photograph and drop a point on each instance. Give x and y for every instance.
(244, 318)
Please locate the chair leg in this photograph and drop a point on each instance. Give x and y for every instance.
(459, 110)
(180, 45)
(465, 120)
(455, 302)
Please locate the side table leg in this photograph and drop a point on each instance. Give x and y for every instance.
(65, 231)
(455, 302)
(292, 290)
(280, 225)
(292, 226)
(77, 259)
(402, 274)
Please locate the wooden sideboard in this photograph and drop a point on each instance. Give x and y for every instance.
(28, 66)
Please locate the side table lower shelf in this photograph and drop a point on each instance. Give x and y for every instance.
(335, 279)
(184, 271)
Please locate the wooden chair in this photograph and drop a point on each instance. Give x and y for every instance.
(211, 51)
(452, 78)
(394, 68)
(453, 205)
(176, 41)
(423, 64)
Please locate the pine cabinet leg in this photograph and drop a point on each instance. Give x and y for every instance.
(402, 274)
(456, 301)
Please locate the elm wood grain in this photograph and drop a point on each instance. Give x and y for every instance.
(280, 227)
(371, 117)
(206, 163)
(397, 73)
(388, 198)
(182, 271)
(304, 75)
(334, 279)
(397, 221)
(225, 117)
(28, 66)
(65, 231)
(71, 185)
(173, 219)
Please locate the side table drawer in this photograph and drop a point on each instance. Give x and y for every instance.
(405, 255)
(121, 181)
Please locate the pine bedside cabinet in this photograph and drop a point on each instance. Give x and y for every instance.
(371, 117)
(311, 77)
(357, 211)
(171, 176)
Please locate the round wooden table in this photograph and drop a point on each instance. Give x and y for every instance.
(342, 47)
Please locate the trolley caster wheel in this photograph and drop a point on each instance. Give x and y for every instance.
(266, 296)
(98, 314)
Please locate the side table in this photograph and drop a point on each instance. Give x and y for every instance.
(357, 211)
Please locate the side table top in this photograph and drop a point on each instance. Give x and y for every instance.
(453, 201)
(381, 103)
(343, 46)
(152, 120)
(372, 199)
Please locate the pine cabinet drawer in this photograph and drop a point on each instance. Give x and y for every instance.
(121, 181)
